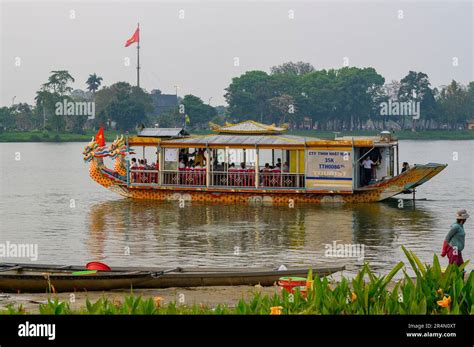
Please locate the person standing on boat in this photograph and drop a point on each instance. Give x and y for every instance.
(367, 166)
(199, 159)
(405, 166)
(454, 242)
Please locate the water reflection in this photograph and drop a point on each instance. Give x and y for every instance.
(242, 235)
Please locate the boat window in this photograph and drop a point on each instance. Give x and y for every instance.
(171, 158)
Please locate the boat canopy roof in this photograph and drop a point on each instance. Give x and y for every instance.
(163, 132)
(249, 134)
(241, 141)
(383, 140)
(260, 141)
(248, 127)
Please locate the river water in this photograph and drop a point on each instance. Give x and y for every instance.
(48, 199)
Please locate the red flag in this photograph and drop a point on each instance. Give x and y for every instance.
(134, 38)
(100, 137)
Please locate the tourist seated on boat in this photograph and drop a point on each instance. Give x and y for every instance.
(239, 178)
(139, 176)
(271, 175)
(182, 166)
(219, 167)
(286, 167)
(232, 173)
(266, 174)
(134, 166)
(199, 175)
(148, 166)
(193, 174)
(183, 156)
(250, 176)
(405, 166)
(153, 175)
(276, 176)
(143, 166)
(150, 176)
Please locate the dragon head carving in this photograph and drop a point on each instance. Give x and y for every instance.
(117, 147)
(88, 152)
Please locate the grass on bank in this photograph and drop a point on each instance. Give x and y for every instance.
(434, 292)
(49, 136)
(401, 135)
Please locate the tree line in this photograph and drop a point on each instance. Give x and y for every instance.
(348, 98)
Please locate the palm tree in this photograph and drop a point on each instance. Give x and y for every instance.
(58, 81)
(43, 99)
(93, 83)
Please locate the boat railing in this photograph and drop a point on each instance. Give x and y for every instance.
(231, 178)
(186, 177)
(144, 176)
(278, 179)
(266, 179)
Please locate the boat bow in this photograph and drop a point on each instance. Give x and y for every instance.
(408, 180)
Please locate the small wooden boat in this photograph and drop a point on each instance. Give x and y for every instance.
(28, 278)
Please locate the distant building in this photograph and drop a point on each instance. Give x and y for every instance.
(163, 102)
(470, 124)
(307, 123)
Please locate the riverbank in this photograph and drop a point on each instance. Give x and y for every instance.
(189, 297)
(433, 291)
(49, 136)
(184, 298)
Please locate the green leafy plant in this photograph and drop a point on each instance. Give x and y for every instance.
(432, 291)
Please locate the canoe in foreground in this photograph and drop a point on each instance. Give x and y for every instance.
(28, 278)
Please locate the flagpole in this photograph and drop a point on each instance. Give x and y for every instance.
(138, 58)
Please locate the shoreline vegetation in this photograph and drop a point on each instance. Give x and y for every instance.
(349, 100)
(432, 292)
(51, 136)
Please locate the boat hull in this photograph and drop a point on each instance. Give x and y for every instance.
(410, 179)
(45, 278)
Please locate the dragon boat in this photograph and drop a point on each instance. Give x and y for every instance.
(250, 162)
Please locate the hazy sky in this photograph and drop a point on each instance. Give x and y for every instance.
(198, 52)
